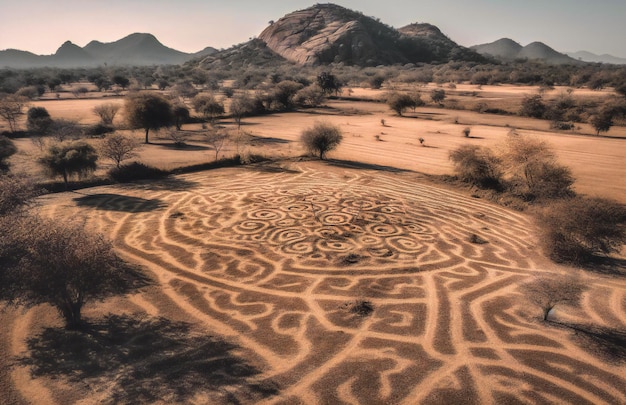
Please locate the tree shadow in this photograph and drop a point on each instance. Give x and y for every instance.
(608, 343)
(610, 266)
(117, 202)
(185, 146)
(259, 140)
(147, 360)
(364, 166)
(166, 184)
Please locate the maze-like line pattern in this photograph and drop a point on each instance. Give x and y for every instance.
(280, 259)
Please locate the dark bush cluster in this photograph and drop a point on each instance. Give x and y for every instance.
(577, 230)
(136, 171)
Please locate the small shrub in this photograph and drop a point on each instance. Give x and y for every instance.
(136, 171)
(99, 130)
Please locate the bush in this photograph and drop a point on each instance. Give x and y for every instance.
(67, 159)
(136, 171)
(99, 130)
(534, 172)
(477, 165)
(533, 106)
(38, 120)
(399, 102)
(7, 149)
(321, 138)
(578, 229)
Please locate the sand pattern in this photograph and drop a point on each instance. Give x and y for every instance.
(354, 286)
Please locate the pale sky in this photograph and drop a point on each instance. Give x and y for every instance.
(41, 26)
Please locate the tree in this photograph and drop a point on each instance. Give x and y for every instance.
(207, 105)
(602, 122)
(399, 102)
(321, 138)
(217, 139)
(310, 96)
(240, 106)
(38, 120)
(11, 108)
(181, 115)
(121, 81)
(477, 165)
(67, 159)
(7, 149)
(106, 112)
(547, 292)
(148, 111)
(60, 264)
(578, 229)
(438, 95)
(62, 130)
(118, 148)
(329, 83)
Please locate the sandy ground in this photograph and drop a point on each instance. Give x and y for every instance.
(327, 282)
(329, 285)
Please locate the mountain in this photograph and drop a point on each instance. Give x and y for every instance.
(328, 33)
(507, 49)
(503, 48)
(592, 57)
(136, 49)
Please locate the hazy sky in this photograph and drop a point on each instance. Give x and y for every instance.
(41, 26)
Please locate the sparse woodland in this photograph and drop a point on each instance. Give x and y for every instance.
(363, 240)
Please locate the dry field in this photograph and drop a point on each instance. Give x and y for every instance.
(349, 281)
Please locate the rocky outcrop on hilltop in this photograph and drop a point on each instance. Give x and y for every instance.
(327, 33)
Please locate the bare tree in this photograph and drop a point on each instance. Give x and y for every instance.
(118, 148)
(217, 139)
(106, 112)
(11, 108)
(547, 292)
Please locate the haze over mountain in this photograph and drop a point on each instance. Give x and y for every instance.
(321, 34)
(592, 57)
(507, 49)
(136, 49)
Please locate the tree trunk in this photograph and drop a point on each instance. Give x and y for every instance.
(65, 179)
(71, 314)
(147, 130)
(546, 312)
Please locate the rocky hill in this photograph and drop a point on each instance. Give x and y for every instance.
(507, 49)
(327, 33)
(135, 49)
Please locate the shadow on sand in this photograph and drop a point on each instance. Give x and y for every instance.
(364, 166)
(117, 202)
(147, 360)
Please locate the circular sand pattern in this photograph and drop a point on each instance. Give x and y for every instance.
(362, 287)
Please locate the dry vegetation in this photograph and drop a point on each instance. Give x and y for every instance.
(374, 276)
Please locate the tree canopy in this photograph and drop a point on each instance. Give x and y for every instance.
(148, 111)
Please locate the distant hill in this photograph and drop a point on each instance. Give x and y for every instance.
(592, 57)
(328, 33)
(507, 49)
(135, 49)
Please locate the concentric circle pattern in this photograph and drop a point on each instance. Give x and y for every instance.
(281, 261)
